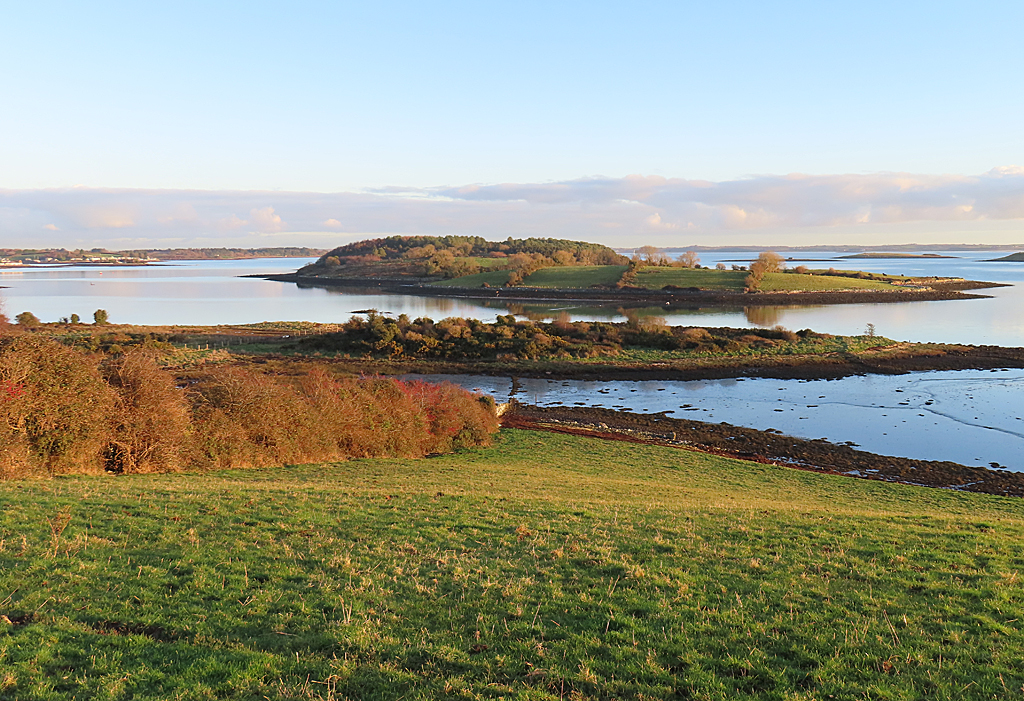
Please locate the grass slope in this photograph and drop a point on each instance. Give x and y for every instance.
(547, 567)
(733, 281)
(655, 278)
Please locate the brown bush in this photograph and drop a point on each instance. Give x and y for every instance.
(246, 419)
(152, 420)
(60, 407)
(363, 418)
(60, 414)
(456, 419)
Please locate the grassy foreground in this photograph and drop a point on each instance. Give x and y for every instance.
(546, 567)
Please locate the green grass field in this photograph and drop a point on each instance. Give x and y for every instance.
(546, 567)
(655, 278)
(494, 278)
(733, 281)
(575, 276)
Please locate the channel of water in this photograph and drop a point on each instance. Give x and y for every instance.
(972, 417)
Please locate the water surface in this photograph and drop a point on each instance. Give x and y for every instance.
(211, 292)
(971, 417)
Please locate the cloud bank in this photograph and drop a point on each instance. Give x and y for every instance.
(618, 211)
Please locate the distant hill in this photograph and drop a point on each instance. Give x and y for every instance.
(223, 253)
(1012, 258)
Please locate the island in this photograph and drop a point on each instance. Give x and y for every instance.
(1012, 258)
(557, 269)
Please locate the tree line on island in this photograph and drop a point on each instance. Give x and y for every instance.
(447, 257)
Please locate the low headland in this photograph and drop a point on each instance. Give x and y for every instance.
(51, 257)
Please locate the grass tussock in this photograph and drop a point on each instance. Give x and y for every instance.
(66, 411)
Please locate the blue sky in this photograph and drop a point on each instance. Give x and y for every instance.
(360, 97)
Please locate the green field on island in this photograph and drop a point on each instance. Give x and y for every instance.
(655, 278)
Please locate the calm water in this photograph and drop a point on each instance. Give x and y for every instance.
(974, 418)
(967, 416)
(211, 292)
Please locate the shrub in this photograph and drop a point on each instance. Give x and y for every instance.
(62, 410)
(152, 419)
(27, 319)
(59, 413)
(100, 317)
(247, 419)
(455, 418)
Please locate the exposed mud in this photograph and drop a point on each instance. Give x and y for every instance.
(762, 446)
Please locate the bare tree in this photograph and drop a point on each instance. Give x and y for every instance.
(690, 259)
(650, 255)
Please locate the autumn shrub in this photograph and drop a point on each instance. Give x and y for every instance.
(65, 410)
(244, 418)
(365, 417)
(62, 408)
(399, 426)
(151, 425)
(455, 418)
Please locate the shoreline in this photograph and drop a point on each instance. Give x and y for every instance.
(768, 447)
(890, 360)
(693, 297)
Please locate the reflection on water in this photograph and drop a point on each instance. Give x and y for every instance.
(763, 316)
(971, 417)
(211, 292)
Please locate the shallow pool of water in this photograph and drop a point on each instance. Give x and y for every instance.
(971, 417)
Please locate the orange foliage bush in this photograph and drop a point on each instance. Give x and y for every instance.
(151, 423)
(63, 410)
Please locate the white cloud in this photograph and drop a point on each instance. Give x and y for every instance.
(265, 220)
(611, 210)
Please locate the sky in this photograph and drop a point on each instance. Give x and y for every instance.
(307, 123)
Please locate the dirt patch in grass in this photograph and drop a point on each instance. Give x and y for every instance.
(762, 446)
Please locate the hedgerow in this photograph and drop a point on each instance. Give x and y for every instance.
(64, 410)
